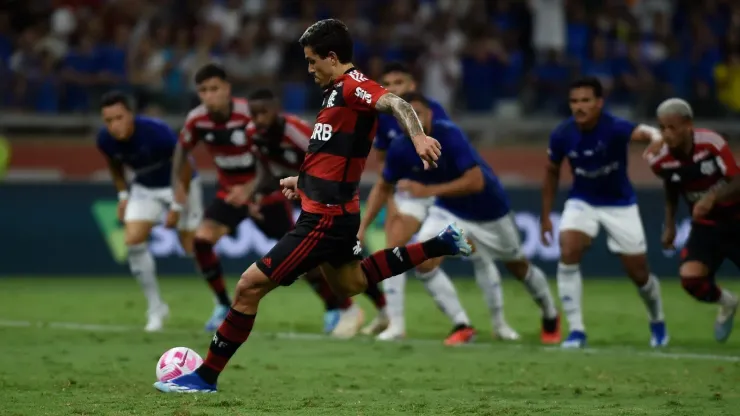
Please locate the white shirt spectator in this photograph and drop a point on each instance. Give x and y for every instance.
(548, 25)
(442, 68)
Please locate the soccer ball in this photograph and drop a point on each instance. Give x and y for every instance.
(176, 362)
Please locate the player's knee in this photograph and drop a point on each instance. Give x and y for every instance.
(700, 288)
(252, 286)
(570, 254)
(518, 268)
(132, 239)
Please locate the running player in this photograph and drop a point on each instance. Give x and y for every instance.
(325, 235)
(220, 122)
(145, 146)
(595, 144)
(698, 164)
(467, 192)
(404, 216)
(280, 140)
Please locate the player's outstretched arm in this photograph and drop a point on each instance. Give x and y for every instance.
(380, 193)
(427, 148)
(180, 169)
(118, 177)
(549, 190)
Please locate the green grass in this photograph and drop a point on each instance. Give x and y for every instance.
(46, 369)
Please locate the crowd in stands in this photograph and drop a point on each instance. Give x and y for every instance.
(471, 55)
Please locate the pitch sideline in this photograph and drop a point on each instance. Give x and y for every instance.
(612, 350)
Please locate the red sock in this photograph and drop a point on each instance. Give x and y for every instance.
(210, 266)
(375, 294)
(392, 261)
(232, 333)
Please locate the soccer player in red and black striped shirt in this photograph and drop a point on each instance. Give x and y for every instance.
(325, 235)
(699, 165)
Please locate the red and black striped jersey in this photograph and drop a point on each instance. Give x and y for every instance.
(710, 165)
(329, 178)
(283, 146)
(226, 141)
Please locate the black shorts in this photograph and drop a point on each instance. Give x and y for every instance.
(712, 244)
(277, 217)
(316, 239)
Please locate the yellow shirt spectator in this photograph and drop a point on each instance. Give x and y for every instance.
(727, 77)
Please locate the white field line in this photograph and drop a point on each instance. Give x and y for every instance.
(614, 350)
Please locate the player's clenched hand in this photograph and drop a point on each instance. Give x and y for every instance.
(546, 235)
(290, 187)
(668, 237)
(173, 217)
(428, 150)
(121, 211)
(237, 195)
(703, 206)
(414, 189)
(652, 149)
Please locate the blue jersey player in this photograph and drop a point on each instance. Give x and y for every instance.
(404, 213)
(467, 193)
(145, 146)
(596, 146)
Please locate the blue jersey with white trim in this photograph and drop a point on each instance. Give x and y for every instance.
(458, 156)
(597, 158)
(148, 152)
(389, 129)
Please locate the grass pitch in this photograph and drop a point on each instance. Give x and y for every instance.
(74, 347)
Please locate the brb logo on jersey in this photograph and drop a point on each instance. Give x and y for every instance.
(363, 95)
(322, 131)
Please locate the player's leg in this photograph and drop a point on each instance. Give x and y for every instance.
(296, 253)
(500, 240)
(406, 216)
(700, 258)
(626, 237)
(578, 226)
(220, 218)
(141, 214)
(332, 303)
(191, 217)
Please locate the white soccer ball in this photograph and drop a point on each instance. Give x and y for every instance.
(176, 362)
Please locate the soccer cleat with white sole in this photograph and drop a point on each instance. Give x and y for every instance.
(576, 339)
(505, 333)
(156, 317)
(217, 317)
(189, 383)
(350, 322)
(658, 334)
(725, 320)
(392, 333)
(455, 239)
(377, 325)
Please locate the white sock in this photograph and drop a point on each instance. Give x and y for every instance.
(489, 281)
(536, 283)
(726, 298)
(394, 289)
(650, 293)
(570, 289)
(439, 285)
(142, 266)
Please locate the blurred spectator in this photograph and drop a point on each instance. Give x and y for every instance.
(633, 78)
(227, 16)
(549, 83)
(548, 26)
(441, 61)
(728, 82)
(483, 65)
(600, 64)
(674, 73)
(79, 73)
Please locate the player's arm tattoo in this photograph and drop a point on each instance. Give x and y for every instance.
(729, 192)
(115, 167)
(402, 111)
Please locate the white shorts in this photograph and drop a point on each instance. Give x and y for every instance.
(623, 225)
(497, 239)
(413, 207)
(151, 204)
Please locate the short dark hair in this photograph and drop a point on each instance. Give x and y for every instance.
(114, 97)
(209, 71)
(589, 82)
(329, 35)
(396, 67)
(262, 94)
(415, 96)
